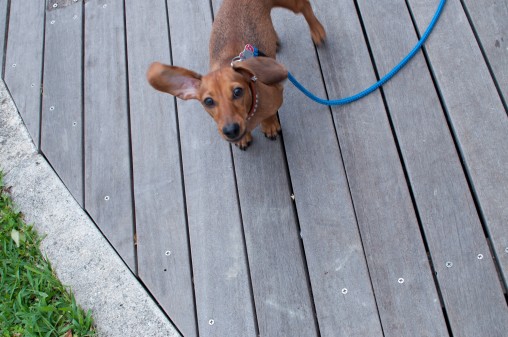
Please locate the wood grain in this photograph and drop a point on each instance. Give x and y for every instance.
(4, 16)
(62, 105)
(490, 24)
(108, 190)
(476, 113)
(163, 246)
(23, 70)
(341, 286)
(446, 208)
(396, 256)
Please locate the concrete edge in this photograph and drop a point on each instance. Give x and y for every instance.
(81, 257)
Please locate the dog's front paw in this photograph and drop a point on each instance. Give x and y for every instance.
(317, 31)
(245, 142)
(271, 127)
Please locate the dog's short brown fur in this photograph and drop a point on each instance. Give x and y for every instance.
(228, 91)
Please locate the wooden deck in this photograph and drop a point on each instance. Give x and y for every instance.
(399, 221)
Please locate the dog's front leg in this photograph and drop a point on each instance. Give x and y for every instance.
(271, 127)
(244, 143)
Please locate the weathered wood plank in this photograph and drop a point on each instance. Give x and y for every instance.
(221, 279)
(4, 12)
(489, 18)
(163, 247)
(393, 245)
(476, 114)
(343, 296)
(273, 243)
(23, 70)
(62, 105)
(108, 190)
(445, 205)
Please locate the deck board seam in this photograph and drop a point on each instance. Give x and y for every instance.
(129, 135)
(404, 165)
(300, 239)
(182, 180)
(6, 38)
(484, 55)
(461, 156)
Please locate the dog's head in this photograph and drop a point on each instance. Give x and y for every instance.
(227, 94)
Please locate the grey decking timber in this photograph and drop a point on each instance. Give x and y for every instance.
(489, 18)
(23, 71)
(476, 114)
(330, 235)
(4, 19)
(395, 253)
(283, 302)
(446, 208)
(221, 278)
(108, 190)
(62, 108)
(162, 242)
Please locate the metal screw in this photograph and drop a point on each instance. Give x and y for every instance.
(32, 85)
(292, 197)
(344, 291)
(168, 252)
(401, 280)
(74, 123)
(14, 65)
(480, 256)
(105, 5)
(106, 197)
(55, 5)
(449, 264)
(51, 108)
(211, 322)
(52, 22)
(506, 250)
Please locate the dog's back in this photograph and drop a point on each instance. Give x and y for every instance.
(237, 23)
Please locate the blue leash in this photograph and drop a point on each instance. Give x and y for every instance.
(383, 80)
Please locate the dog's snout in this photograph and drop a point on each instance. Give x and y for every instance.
(232, 131)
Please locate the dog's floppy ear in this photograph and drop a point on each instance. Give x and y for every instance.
(179, 82)
(266, 69)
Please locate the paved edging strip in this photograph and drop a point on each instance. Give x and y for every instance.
(81, 257)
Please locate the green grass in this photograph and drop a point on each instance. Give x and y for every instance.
(33, 302)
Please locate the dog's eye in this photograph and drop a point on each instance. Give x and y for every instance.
(237, 92)
(209, 102)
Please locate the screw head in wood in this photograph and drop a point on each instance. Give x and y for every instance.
(55, 5)
(506, 250)
(52, 22)
(51, 108)
(32, 85)
(106, 198)
(480, 256)
(449, 264)
(75, 17)
(105, 5)
(344, 291)
(401, 280)
(14, 65)
(211, 322)
(74, 123)
(168, 253)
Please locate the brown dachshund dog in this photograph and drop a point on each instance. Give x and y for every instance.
(239, 94)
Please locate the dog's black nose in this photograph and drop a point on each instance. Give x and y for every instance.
(232, 131)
